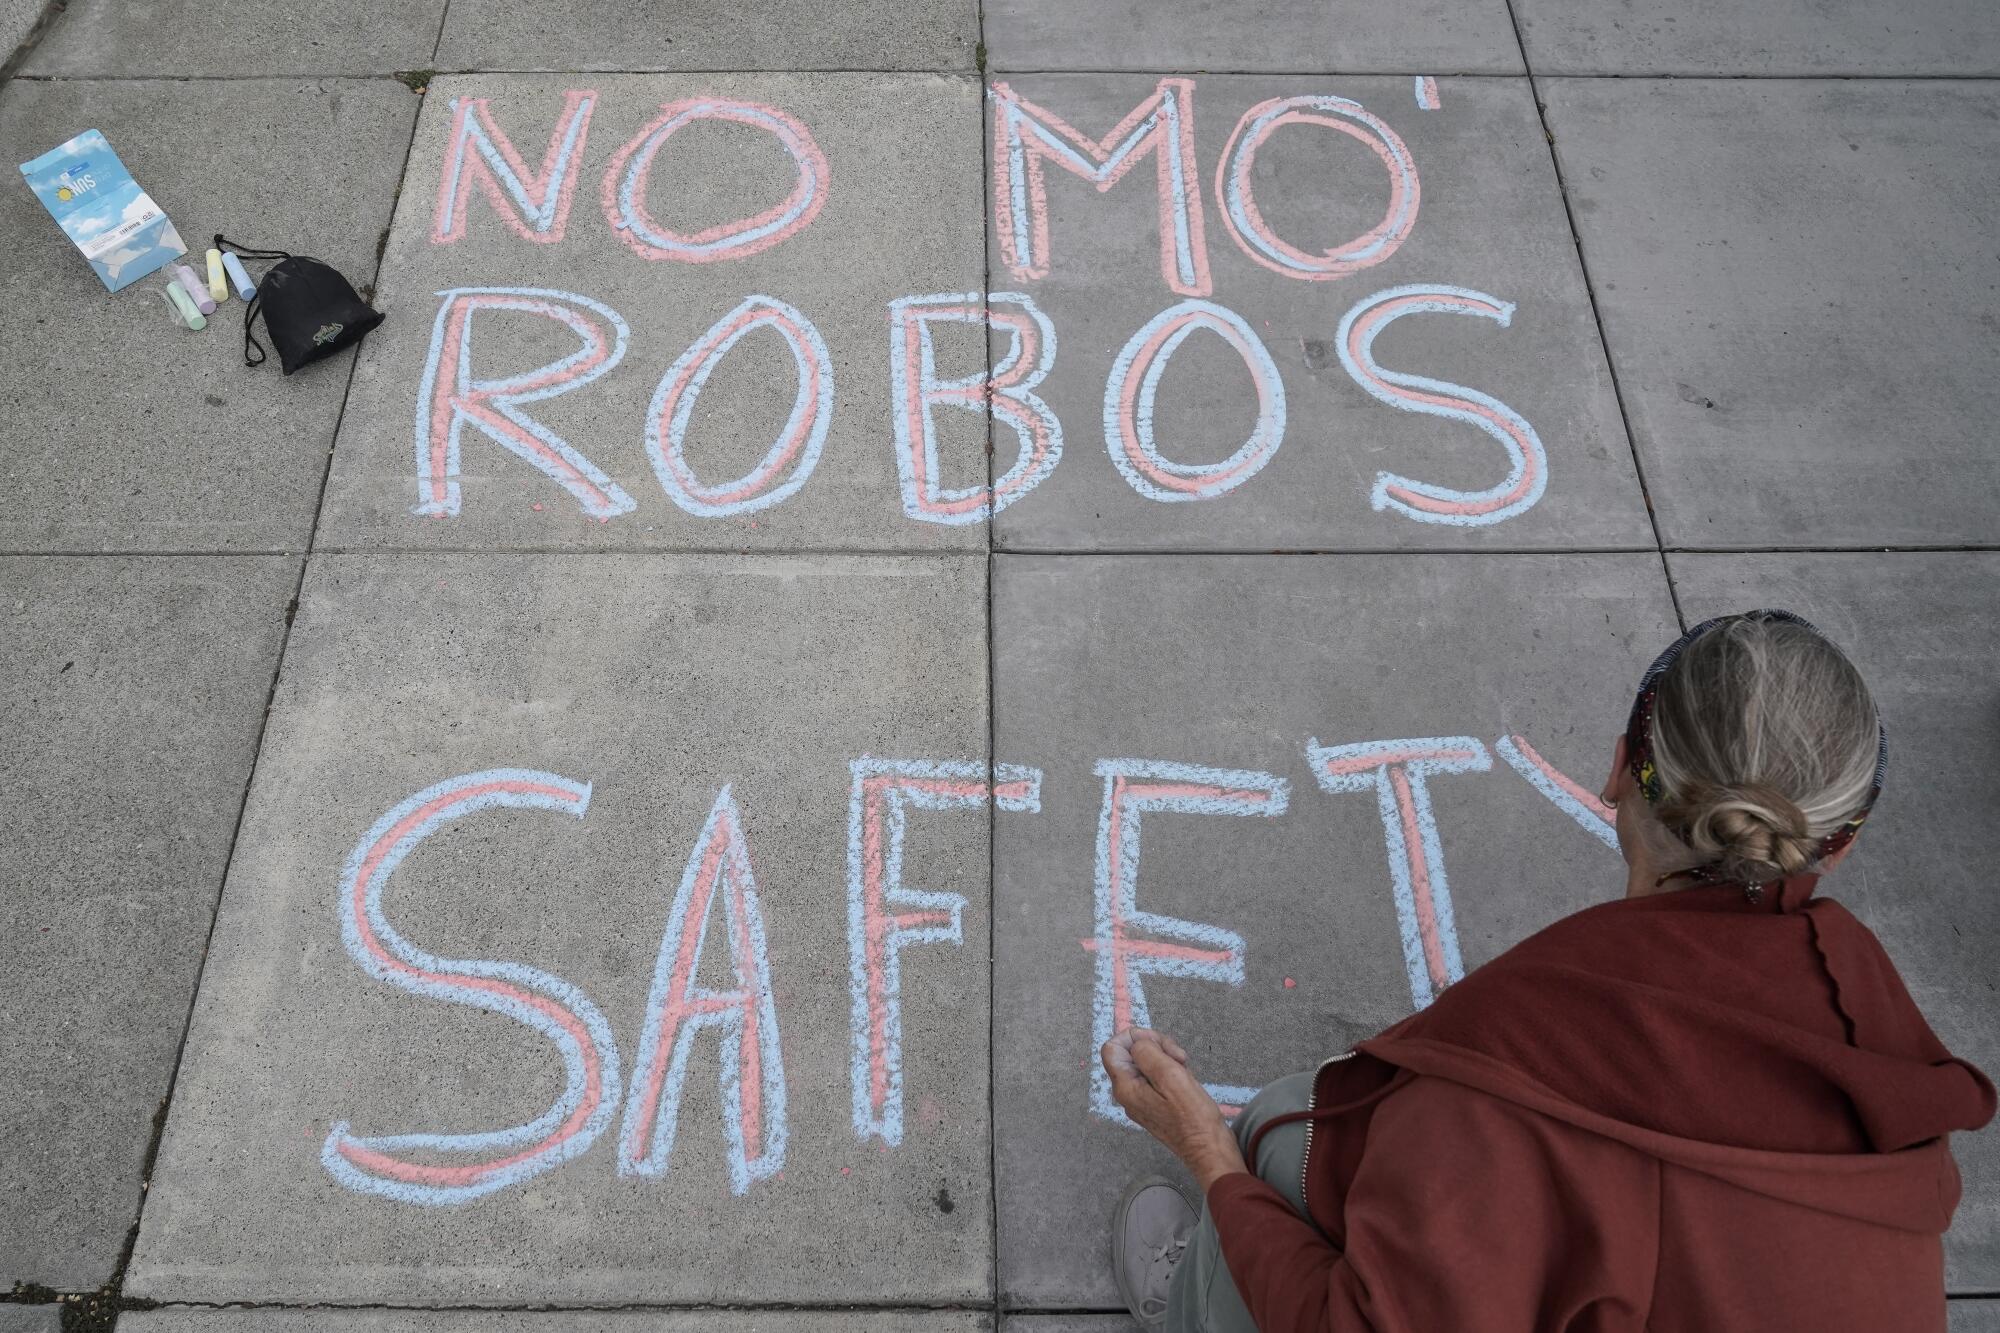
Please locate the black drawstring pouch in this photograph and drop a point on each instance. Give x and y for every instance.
(309, 310)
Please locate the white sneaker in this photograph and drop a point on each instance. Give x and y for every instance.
(1149, 1235)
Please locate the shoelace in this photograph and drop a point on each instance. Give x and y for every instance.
(1170, 1254)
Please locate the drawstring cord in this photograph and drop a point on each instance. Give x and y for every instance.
(249, 338)
(1315, 1115)
(256, 300)
(245, 252)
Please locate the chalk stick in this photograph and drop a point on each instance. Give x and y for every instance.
(196, 292)
(190, 313)
(218, 282)
(239, 277)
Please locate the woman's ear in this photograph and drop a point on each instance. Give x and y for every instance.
(1619, 785)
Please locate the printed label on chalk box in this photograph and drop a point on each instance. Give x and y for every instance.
(116, 225)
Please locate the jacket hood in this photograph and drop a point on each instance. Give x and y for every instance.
(1771, 1044)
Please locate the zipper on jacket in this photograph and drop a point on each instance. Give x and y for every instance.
(1312, 1104)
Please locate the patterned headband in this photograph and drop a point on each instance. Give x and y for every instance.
(1639, 729)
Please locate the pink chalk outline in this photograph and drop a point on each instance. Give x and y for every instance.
(1427, 93)
(1528, 474)
(679, 1008)
(626, 180)
(1133, 386)
(446, 403)
(1233, 188)
(1007, 390)
(1578, 802)
(1026, 135)
(541, 1000)
(796, 451)
(1131, 944)
(534, 203)
(885, 916)
(1397, 772)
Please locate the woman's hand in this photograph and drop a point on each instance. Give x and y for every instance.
(1151, 1080)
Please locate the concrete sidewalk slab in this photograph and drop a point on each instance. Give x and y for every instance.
(1974, 1316)
(1793, 278)
(661, 682)
(1069, 1323)
(185, 1320)
(17, 20)
(1925, 630)
(711, 34)
(1776, 37)
(30, 1318)
(1239, 663)
(1484, 218)
(124, 432)
(135, 690)
(878, 174)
(182, 38)
(1346, 37)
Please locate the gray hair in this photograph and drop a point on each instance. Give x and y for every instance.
(1765, 739)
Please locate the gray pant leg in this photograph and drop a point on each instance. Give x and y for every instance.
(1203, 1297)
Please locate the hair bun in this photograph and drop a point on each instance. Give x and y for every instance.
(1752, 830)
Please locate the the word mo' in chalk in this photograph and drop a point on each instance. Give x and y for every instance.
(716, 909)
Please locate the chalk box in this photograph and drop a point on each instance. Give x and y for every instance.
(90, 194)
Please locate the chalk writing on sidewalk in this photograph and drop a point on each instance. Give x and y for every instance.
(1234, 186)
(391, 1165)
(791, 459)
(1568, 796)
(1007, 390)
(450, 397)
(886, 916)
(1529, 464)
(625, 182)
(461, 384)
(1131, 943)
(1398, 772)
(1026, 136)
(679, 1009)
(534, 204)
(886, 919)
(1134, 383)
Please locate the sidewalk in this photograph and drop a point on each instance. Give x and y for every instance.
(626, 792)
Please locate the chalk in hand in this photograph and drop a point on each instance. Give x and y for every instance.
(218, 283)
(239, 277)
(190, 313)
(196, 292)
(1118, 1057)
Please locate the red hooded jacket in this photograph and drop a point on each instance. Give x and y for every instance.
(1681, 1112)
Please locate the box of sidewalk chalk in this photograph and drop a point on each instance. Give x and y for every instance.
(93, 198)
